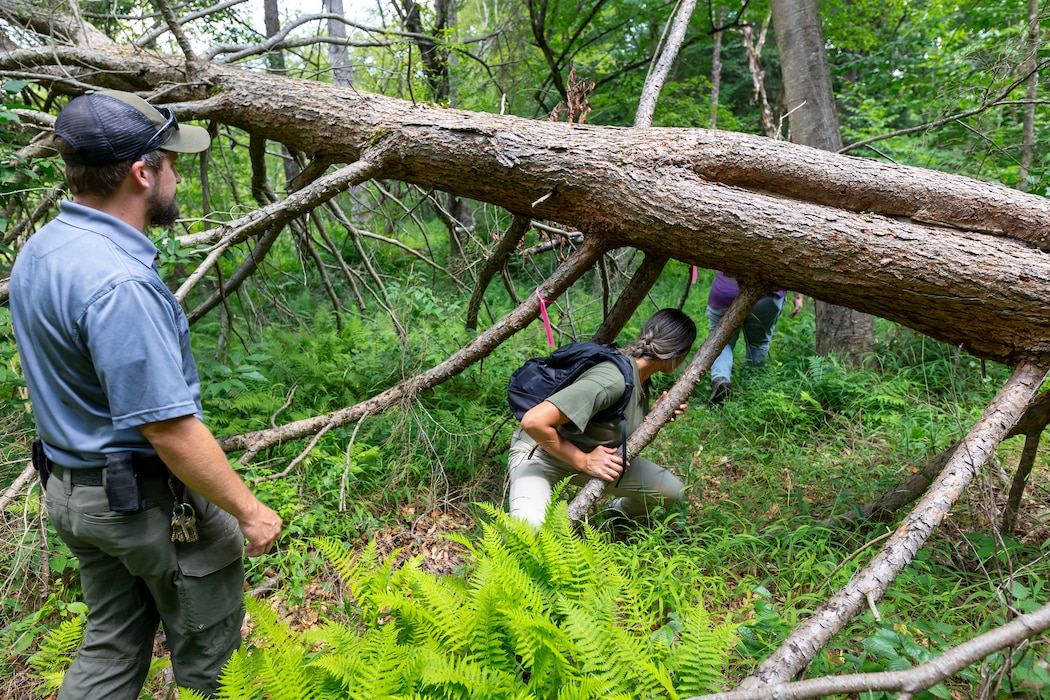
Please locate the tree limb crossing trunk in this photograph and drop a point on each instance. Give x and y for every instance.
(798, 650)
(663, 411)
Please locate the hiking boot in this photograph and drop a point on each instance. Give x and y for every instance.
(719, 391)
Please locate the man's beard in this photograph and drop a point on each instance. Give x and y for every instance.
(162, 213)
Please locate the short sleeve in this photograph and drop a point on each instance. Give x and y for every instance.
(598, 388)
(139, 345)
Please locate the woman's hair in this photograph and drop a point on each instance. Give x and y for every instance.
(667, 334)
(101, 180)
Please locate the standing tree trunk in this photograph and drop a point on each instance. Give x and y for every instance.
(1031, 90)
(338, 56)
(662, 62)
(716, 70)
(813, 122)
(437, 62)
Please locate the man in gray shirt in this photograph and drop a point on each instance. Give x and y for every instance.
(135, 483)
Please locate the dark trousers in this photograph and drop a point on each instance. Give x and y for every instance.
(134, 578)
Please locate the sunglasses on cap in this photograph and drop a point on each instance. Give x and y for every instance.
(159, 138)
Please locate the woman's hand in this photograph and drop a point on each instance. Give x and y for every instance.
(603, 463)
(678, 411)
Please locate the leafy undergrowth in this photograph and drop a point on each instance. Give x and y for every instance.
(801, 442)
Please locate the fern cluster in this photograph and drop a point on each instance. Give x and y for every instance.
(52, 659)
(547, 614)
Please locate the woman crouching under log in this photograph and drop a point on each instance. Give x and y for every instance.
(558, 438)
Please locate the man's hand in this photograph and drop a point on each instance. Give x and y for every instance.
(191, 453)
(603, 463)
(261, 531)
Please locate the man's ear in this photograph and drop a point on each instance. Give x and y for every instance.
(142, 175)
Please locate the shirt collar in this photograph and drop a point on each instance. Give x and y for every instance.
(126, 237)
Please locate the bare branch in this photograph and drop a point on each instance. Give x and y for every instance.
(164, 7)
(908, 682)
(159, 30)
(406, 390)
(997, 102)
(12, 491)
(495, 262)
(279, 213)
(811, 636)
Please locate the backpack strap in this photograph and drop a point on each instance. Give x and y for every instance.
(623, 446)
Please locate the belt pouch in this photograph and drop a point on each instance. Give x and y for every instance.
(121, 484)
(41, 462)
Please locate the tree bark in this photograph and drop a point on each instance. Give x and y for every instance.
(661, 66)
(675, 193)
(338, 56)
(911, 681)
(716, 70)
(1031, 91)
(814, 122)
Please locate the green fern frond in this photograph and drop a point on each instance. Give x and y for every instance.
(346, 564)
(238, 678)
(513, 534)
(282, 668)
(55, 653)
(543, 647)
(530, 592)
(699, 656)
(601, 648)
(539, 615)
(268, 626)
(489, 642)
(589, 689)
(453, 677)
(377, 666)
(286, 676)
(369, 578)
(429, 608)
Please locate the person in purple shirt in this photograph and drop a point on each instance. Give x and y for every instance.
(758, 330)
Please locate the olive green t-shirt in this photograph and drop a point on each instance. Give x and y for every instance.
(598, 388)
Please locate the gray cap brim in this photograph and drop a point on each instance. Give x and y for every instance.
(186, 139)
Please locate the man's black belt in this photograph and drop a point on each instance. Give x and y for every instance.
(146, 466)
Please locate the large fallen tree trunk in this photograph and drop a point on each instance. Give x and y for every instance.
(671, 192)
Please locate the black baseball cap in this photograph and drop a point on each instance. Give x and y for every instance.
(110, 126)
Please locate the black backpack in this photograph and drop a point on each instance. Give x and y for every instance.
(540, 377)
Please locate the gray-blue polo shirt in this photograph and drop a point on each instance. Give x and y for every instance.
(104, 345)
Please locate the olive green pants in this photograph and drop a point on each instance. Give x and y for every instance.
(134, 578)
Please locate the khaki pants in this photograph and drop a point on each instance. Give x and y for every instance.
(644, 485)
(133, 577)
